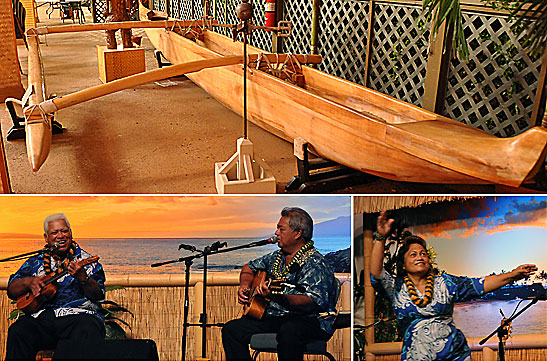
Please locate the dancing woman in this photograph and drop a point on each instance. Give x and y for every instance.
(424, 302)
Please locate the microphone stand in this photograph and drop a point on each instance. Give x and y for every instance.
(501, 332)
(188, 260)
(23, 255)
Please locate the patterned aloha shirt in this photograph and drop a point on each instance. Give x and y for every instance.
(429, 332)
(315, 279)
(70, 298)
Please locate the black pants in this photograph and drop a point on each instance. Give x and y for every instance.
(28, 335)
(293, 332)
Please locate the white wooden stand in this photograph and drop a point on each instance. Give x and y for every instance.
(242, 173)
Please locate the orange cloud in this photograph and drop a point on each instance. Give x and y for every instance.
(149, 216)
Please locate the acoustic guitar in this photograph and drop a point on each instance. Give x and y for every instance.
(258, 303)
(29, 304)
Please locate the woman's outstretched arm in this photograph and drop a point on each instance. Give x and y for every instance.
(493, 282)
(377, 255)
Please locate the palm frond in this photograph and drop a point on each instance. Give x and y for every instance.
(114, 331)
(529, 16)
(113, 318)
(440, 11)
(533, 18)
(14, 314)
(112, 288)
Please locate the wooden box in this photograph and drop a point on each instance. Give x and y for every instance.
(118, 63)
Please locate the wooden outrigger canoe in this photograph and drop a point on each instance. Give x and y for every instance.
(39, 112)
(356, 126)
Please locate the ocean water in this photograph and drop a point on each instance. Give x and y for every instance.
(480, 318)
(135, 255)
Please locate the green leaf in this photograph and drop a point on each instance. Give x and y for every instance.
(448, 10)
(14, 314)
(112, 319)
(112, 288)
(114, 331)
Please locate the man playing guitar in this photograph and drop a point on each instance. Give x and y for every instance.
(294, 313)
(72, 310)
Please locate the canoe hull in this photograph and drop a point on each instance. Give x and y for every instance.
(408, 146)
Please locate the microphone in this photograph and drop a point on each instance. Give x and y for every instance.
(54, 246)
(187, 247)
(271, 240)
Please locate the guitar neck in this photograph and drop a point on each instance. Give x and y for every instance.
(56, 277)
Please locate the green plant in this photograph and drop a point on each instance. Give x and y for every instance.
(449, 10)
(530, 15)
(111, 312)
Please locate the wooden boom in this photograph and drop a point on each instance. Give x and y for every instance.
(357, 126)
(39, 112)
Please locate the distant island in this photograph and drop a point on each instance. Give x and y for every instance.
(512, 292)
(338, 227)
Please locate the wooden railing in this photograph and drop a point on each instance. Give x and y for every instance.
(157, 304)
(519, 347)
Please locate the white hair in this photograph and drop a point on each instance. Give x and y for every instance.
(55, 217)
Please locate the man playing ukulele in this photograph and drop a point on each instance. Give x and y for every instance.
(294, 313)
(73, 311)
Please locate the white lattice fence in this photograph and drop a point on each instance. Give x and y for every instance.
(493, 91)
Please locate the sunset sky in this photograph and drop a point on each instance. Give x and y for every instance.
(161, 216)
(500, 233)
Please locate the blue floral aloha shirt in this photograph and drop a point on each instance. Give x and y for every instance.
(315, 279)
(70, 298)
(429, 332)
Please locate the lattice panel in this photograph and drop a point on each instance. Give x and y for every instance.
(159, 5)
(260, 38)
(175, 9)
(221, 10)
(101, 7)
(300, 14)
(494, 91)
(185, 9)
(343, 41)
(399, 52)
(198, 9)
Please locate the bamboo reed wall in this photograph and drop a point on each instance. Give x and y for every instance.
(157, 304)
(372, 204)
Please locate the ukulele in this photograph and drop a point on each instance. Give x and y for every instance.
(30, 304)
(258, 303)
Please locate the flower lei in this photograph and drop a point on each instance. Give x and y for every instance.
(428, 294)
(298, 259)
(63, 265)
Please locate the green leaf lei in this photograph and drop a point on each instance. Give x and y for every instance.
(305, 252)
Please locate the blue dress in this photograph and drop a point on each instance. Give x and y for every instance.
(429, 332)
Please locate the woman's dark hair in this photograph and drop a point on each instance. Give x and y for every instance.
(407, 242)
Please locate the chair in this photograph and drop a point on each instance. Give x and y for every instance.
(77, 11)
(267, 342)
(65, 10)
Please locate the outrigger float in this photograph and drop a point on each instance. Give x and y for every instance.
(340, 120)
